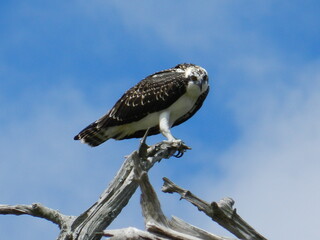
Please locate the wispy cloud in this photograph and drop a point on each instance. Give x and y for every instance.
(272, 172)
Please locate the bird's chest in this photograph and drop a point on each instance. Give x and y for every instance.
(183, 105)
(193, 90)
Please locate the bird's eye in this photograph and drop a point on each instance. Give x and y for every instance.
(194, 78)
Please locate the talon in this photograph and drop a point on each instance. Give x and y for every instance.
(179, 154)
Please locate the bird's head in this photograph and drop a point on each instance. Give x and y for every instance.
(196, 75)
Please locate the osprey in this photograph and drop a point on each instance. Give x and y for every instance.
(160, 101)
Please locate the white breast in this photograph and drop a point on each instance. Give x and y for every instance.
(182, 106)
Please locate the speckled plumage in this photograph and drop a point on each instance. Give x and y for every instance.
(138, 109)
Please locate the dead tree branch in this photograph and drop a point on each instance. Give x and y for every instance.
(159, 227)
(90, 225)
(121, 189)
(93, 221)
(36, 210)
(221, 212)
(156, 223)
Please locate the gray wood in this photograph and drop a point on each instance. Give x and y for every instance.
(221, 212)
(90, 225)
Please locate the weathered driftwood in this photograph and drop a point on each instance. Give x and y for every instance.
(111, 202)
(157, 225)
(37, 210)
(221, 212)
(91, 224)
(120, 190)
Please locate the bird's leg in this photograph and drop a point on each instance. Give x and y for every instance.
(164, 125)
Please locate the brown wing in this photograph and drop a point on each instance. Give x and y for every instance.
(152, 94)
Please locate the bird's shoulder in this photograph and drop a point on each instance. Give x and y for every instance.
(167, 79)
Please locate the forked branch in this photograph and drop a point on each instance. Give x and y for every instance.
(91, 224)
(221, 212)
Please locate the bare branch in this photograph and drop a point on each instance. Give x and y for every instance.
(156, 222)
(133, 173)
(221, 212)
(111, 202)
(37, 210)
(121, 189)
(130, 233)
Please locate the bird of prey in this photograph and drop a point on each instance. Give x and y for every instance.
(160, 101)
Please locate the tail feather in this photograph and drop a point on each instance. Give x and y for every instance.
(92, 135)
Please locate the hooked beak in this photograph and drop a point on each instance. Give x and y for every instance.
(199, 84)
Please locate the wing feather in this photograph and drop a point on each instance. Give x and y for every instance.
(152, 94)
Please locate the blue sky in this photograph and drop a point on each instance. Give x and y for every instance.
(63, 64)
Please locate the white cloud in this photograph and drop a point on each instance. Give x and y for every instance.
(40, 162)
(273, 170)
